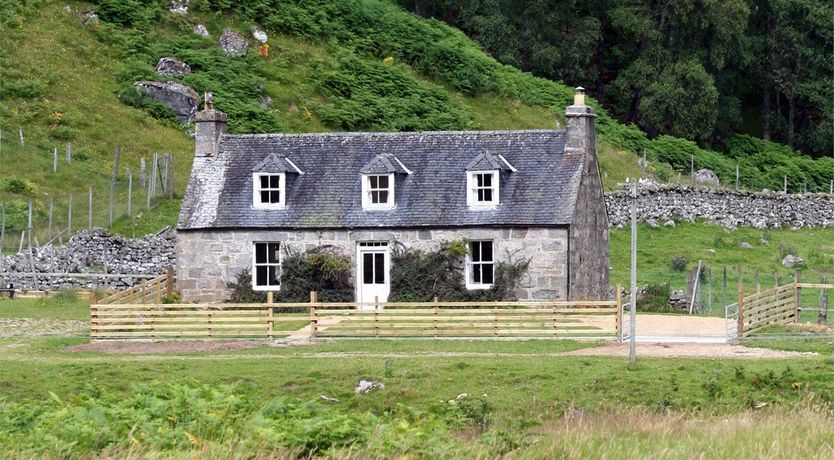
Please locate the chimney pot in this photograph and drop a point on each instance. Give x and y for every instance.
(579, 96)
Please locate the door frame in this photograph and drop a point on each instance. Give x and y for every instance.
(372, 246)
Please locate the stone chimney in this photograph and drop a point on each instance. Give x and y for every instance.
(580, 122)
(211, 125)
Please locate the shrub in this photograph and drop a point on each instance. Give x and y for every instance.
(242, 291)
(655, 298)
(679, 263)
(787, 249)
(17, 186)
(322, 270)
(419, 276)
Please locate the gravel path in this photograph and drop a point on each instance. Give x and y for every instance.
(27, 327)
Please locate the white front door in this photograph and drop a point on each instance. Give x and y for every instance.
(373, 283)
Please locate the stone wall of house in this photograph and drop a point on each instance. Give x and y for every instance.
(723, 207)
(589, 248)
(208, 260)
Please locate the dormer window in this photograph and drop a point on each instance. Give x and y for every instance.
(483, 180)
(270, 190)
(378, 181)
(378, 191)
(483, 188)
(269, 181)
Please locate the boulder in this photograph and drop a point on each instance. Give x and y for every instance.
(791, 261)
(266, 102)
(259, 35)
(652, 223)
(89, 18)
(181, 99)
(705, 176)
(233, 43)
(201, 30)
(178, 6)
(745, 245)
(669, 223)
(367, 386)
(169, 67)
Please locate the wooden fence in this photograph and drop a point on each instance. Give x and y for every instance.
(548, 319)
(149, 292)
(780, 305)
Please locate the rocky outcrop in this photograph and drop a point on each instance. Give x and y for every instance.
(705, 176)
(91, 251)
(169, 67)
(201, 30)
(724, 207)
(259, 35)
(178, 6)
(233, 43)
(181, 99)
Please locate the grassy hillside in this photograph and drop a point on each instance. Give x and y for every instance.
(351, 65)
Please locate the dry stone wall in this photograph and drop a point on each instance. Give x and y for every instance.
(723, 207)
(90, 251)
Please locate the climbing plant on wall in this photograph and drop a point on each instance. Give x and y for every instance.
(418, 275)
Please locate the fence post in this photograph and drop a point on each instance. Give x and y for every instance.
(2, 228)
(736, 176)
(270, 320)
(129, 193)
(797, 277)
(376, 316)
(69, 152)
(435, 310)
(169, 281)
(114, 175)
(69, 217)
(55, 160)
(49, 225)
(314, 321)
(822, 316)
(618, 320)
(740, 306)
(90, 208)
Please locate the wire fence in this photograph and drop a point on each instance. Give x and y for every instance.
(79, 196)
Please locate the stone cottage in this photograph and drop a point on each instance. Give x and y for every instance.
(534, 194)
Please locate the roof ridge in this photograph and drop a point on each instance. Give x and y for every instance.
(393, 133)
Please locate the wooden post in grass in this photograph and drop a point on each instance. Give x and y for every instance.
(129, 193)
(69, 153)
(2, 227)
(49, 225)
(376, 316)
(169, 281)
(724, 288)
(170, 173)
(740, 306)
(270, 319)
(435, 311)
(113, 176)
(20, 133)
(736, 176)
(90, 207)
(797, 277)
(314, 322)
(785, 186)
(618, 320)
(54, 160)
(758, 286)
(69, 216)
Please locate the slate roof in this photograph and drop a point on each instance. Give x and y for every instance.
(541, 192)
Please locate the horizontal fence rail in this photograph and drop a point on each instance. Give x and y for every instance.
(777, 306)
(554, 319)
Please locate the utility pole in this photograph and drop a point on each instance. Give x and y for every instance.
(632, 346)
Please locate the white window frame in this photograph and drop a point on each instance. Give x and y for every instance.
(469, 273)
(256, 191)
(472, 189)
(366, 192)
(255, 266)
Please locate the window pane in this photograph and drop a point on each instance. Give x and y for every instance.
(476, 273)
(486, 251)
(383, 181)
(368, 268)
(264, 181)
(379, 268)
(475, 249)
(273, 252)
(260, 253)
(487, 180)
(487, 274)
(275, 196)
(374, 197)
(273, 275)
(479, 180)
(480, 195)
(275, 181)
(261, 274)
(373, 181)
(383, 197)
(264, 197)
(487, 195)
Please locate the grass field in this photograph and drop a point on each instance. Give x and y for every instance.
(719, 248)
(524, 399)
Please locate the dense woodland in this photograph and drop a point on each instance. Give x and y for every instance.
(699, 69)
